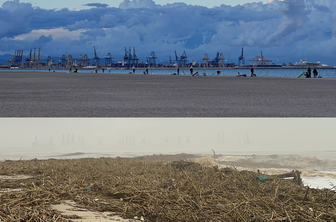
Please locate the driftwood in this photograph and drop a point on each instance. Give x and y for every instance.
(158, 191)
(295, 174)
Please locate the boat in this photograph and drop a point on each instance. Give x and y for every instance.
(310, 64)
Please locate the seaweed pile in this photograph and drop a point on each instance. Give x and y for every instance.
(157, 189)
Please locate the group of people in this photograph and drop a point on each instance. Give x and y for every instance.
(308, 73)
(244, 75)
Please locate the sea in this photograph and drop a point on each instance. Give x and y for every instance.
(324, 73)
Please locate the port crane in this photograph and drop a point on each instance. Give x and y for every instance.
(96, 59)
(241, 58)
(260, 60)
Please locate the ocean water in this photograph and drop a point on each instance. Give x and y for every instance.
(326, 73)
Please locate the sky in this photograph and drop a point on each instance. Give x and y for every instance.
(79, 4)
(227, 136)
(284, 30)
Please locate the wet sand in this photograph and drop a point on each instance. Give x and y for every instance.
(32, 94)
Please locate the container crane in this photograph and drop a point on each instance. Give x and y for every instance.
(126, 57)
(260, 60)
(152, 59)
(86, 60)
(182, 60)
(49, 61)
(63, 60)
(205, 60)
(29, 58)
(241, 58)
(96, 59)
(108, 59)
(69, 60)
(135, 59)
(219, 60)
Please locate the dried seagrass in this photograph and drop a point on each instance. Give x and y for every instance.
(159, 188)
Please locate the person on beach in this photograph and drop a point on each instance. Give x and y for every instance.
(252, 73)
(309, 72)
(96, 70)
(178, 70)
(218, 73)
(241, 75)
(70, 69)
(315, 73)
(191, 70)
(76, 70)
(49, 70)
(147, 71)
(103, 70)
(133, 71)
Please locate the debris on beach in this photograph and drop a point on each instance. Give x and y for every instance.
(157, 188)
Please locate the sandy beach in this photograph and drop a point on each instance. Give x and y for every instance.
(32, 94)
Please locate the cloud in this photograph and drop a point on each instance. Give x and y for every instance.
(41, 41)
(284, 30)
(98, 5)
(127, 4)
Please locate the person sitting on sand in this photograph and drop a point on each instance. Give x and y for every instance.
(241, 75)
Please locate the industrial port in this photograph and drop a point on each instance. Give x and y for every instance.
(130, 60)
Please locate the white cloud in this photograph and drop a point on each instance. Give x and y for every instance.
(127, 4)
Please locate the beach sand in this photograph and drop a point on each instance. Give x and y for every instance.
(37, 94)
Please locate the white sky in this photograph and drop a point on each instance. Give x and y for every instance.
(78, 4)
(313, 137)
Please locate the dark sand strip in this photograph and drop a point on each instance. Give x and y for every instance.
(29, 94)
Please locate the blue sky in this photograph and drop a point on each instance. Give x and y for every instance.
(285, 30)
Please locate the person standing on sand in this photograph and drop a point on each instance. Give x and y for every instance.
(103, 70)
(191, 70)
(178, 70)
(96, 70)
(252, 72)
(146, 71)
(133, 70)
(315, 73)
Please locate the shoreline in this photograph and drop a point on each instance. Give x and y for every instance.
(174, 68)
